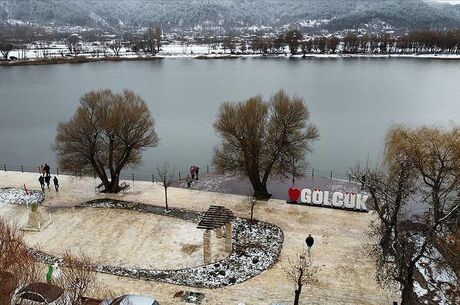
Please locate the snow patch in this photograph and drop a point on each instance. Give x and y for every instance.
(19, 196)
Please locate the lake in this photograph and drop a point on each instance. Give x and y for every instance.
(353, 102)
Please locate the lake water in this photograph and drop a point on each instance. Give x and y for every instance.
(352, 101)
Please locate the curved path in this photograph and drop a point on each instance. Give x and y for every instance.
(253, 251)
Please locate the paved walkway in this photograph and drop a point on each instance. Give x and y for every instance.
(347, 275)
(231, 184)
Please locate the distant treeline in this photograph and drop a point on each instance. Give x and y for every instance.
(22, 38)
(417, 42)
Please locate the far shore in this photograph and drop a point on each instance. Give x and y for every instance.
(85, 59)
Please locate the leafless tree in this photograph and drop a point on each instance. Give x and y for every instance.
(5, 49)
(435, 154)
(15, 259)
(300, 272)
(78, 276)
(107, 132)
(167, 177)
(404, 238)
(293, 38)
(260, 138)
(229, 43)
(251, 203)
(243, 47)
(115, 46)
(158, 37)
(150, 37)
(73, 44)
(332, 44)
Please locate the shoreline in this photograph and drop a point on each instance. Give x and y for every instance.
(84, 59)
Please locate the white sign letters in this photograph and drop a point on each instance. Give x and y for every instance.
(348, 201)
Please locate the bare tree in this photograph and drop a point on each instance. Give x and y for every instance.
(332, 44)
(435, 154)
(5, 49)
(293, 38)
(73, 44)
(78, 276)
(115, 46)
(261, 138)
(404, 239)
(243, 47)
(158, 37)
(300, 272)
(107, 132)
(15, 260)
(229, 43)
(250, 202)
(150, 37)
(166, 176)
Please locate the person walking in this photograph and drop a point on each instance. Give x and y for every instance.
(48, 180)
(309, 241)
(56, 183)
(196, 171)
(42, 182)
(188, 179)
(47, 169)
(42, 170)
(192, 172)
(363, 181)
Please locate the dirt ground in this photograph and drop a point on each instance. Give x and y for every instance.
(346, 276)
(119, 237)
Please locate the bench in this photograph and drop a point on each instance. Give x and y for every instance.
(124, 186)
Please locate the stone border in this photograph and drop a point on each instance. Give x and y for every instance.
(253, 252)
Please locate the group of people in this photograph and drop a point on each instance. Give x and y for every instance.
(192, 176)
(45, 177)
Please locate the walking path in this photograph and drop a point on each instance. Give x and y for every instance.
(232, 184)
(347, 272)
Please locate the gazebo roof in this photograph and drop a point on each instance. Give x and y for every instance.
(215, 216)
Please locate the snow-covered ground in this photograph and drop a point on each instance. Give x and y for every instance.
(441, 280)
(19, 196)
(254, 250)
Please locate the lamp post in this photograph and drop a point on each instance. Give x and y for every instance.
(293, 171)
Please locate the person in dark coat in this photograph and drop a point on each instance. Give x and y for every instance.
(42, 182)
(47, 168)
(56, 183)
(192, 172)
(196, 171)
(309, 241)
(48, 181)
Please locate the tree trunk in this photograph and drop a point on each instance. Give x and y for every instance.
(260, 190)
(166, 198)
(296, 296)
(407, 295)
(114, 184)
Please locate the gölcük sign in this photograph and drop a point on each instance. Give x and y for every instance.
(338, 200)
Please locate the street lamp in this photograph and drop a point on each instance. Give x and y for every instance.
(293, 171)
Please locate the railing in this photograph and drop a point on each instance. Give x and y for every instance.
(179, 175)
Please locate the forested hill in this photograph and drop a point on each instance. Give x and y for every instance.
(412, 14)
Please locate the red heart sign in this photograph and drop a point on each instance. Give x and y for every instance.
(294, 194)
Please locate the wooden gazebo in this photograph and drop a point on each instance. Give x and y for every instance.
(214, 219)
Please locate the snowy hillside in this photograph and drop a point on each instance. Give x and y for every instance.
(230, 13)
